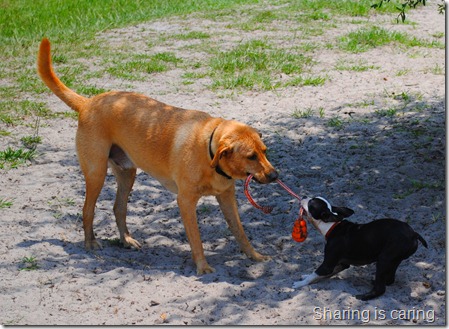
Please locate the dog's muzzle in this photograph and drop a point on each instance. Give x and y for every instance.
(269, 178)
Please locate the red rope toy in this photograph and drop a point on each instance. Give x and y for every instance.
(299, 231)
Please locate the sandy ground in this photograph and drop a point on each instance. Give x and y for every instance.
(380, 166)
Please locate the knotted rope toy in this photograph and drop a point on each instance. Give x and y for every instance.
(299, 231)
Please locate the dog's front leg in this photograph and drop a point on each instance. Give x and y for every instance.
(307, 279)
(228, 206)
(187, 206)
(321, 273)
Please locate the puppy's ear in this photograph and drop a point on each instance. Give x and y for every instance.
(223, 150)
(327, 216)
(343, 212)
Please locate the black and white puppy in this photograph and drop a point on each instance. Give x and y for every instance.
(384, 241)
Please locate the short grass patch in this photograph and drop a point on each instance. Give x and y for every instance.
(140, 65)
(303, 114)
(355, 66)
(335, 122)
(256, 64)
(14, 111)
(326, 9)
(305, 81)
(365, 39)
(5, 203)
(30, 142)
(29, 264)
(192, 35)
(12, 158)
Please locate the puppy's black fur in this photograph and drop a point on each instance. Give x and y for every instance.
(384, 241)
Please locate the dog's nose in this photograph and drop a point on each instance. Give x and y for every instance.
(273, 175)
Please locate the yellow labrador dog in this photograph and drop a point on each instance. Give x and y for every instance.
(189, 152)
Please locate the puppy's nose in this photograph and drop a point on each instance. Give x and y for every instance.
(273, 175)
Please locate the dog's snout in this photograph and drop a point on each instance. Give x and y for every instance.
(273, 175)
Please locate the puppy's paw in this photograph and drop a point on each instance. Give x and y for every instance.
(306, 279)
(363, 297)
(369, 295)
(299, 284)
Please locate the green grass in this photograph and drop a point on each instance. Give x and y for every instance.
(72, 27)
(12, 158)
(139, 65)
(257, 21)
(5, 203)
(365, 39)
(114, 242)
(335, 122)
(386, 113)
(255, 64)
(29, 264)
(192, 35)
(30, 142)
(326, 9)
(15, 111)
(306, 81)
(355, 66)
(417, 185)
(23, 23)
(303, 114)
(402, 72)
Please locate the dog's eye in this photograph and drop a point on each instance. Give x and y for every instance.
(252, 157)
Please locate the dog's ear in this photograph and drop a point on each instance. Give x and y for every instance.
(337, 214)
(223, 150)
(342, 212)
(326, 216)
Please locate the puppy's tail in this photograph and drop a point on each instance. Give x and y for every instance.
(45, 70)
(420, 238)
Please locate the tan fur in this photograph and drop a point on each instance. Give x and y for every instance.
(129, 131)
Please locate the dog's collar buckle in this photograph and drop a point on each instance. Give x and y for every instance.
(331, 229)
(217, 168)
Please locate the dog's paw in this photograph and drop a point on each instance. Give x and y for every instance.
(370, 295)
(299, 284)
(363, 297)
(202, 267)
(306, 279)
(129, 242)
(205, 269)
(92, 245)
(259, 257)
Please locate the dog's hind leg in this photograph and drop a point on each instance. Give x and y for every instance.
(383, 267)
(228, 206)
(125, 181)
(391, 274)
(94, 169)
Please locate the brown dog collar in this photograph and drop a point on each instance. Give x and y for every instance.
(331, 229)
(217, 168)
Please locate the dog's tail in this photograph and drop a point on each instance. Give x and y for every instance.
(420, 238)
(45, 70)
